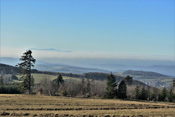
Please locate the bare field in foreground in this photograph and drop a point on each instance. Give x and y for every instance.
(31, 105)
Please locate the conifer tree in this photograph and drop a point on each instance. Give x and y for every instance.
(171, 95)
(25, 70)
(155, 94)
(143, 95)
(137, 92)
(163, 95)
(148, 93)
(59, 80)
(58, 85)
(129, 80)
(111, 91)
(1, 80)
(122, 90)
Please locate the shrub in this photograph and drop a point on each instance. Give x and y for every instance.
(9, 89)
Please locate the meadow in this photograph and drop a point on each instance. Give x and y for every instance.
(153, 80)
(51, 106)
(39, 77)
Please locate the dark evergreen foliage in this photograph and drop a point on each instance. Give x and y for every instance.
(25, 70)
(64, 92)
(137, 92)
(111, 91)
(59, 80)
(122, 90)
(163, 94)
(171, 96)
(1, 81)
(143, 94)
(128, 80)
(14, 77)
(10, 89)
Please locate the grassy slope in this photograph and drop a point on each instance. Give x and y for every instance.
(39, 77)
(151, 80)
(45, 105)
(166, 81)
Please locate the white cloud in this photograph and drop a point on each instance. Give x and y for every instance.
(50, 49)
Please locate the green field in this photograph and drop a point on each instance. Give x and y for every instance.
(165, 81)
(38, 105)
(162, 80)
(39, 77)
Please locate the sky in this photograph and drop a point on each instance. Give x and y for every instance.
(136, 29)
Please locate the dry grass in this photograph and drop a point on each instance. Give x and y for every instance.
(29, 105)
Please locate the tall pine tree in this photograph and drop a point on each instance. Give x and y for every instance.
(163, 95)
(59, 80)
(25, 70)
(144, 94)
(111, 91)
(122, 90)
(137, 92)
(171, 96)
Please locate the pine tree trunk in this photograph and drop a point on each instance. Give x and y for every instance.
(30, 77)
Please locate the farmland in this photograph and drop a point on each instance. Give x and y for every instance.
(38, 105)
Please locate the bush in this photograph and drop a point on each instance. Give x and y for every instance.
(9, 89)
(64, 92)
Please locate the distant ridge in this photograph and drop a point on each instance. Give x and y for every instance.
(12, 70)
(143, 73)
(8, 69)
(100, 65)
(150, 78)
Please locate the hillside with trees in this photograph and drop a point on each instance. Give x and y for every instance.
(93, 84)
(150, 78)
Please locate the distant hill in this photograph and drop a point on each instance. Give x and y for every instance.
(44, 66)
(67, 68)
(7, 69)
(99, 65)
(150, 78)
(9, 73)
(164, 69)
(143, 73)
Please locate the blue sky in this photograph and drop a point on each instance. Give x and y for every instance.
(140, 29)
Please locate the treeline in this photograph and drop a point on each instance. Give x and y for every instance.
(154, 94)
(126, 88)
(112, 88)
(11, 88)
